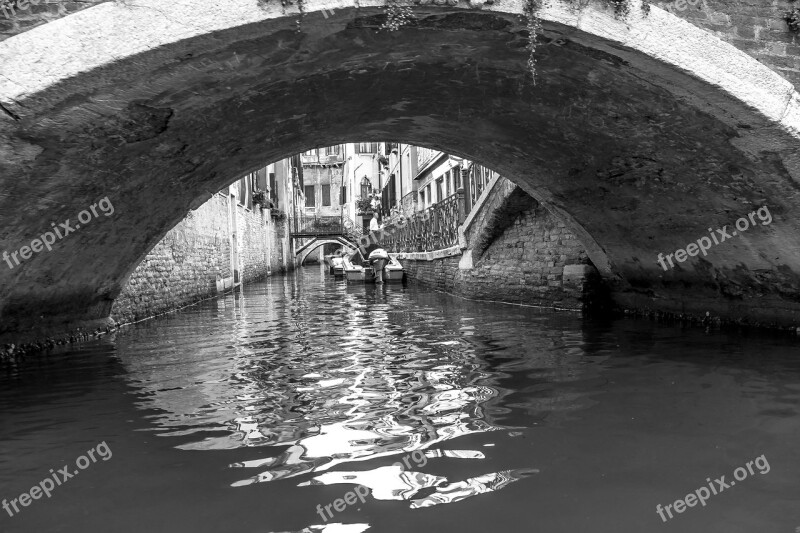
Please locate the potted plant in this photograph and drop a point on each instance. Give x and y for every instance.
(260, 198)
(364, 206)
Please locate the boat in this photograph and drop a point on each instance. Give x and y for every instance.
(337, 266)
(394, 270)
(353, 267)
(357, 269)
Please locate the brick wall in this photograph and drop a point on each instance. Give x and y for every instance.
(524, 263)
(753, 26)
(184, 266)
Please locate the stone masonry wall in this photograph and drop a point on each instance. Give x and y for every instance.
(184, 266)
(253, 252)
(279, 245)
(524, 264)
(754, 26)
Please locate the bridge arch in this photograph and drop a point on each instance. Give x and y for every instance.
(305, 250)
(640, 133)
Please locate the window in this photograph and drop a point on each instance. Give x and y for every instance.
(310, 200)
(332, 150)
(343, 195)
(448, 183)
(273, 189)
(261, 179)
(422, 198)
(428, 194)
(242, 186)
(439, 191)
(476, 179)
(366, 148)
(326, 195)
(366, 187)
(391, 187)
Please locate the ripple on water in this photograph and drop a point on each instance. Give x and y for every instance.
(301, 389)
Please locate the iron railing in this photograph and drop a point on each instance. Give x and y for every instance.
(351, 229)
(312, 225)
(434, 228)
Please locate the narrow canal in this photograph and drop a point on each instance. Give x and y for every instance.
(302, 402)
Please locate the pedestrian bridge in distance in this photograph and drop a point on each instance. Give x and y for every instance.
(314, 231)
(640, 134)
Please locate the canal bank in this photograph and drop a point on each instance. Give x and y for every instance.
(510, 249)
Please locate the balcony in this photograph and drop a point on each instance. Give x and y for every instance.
(322, 159)
(331, 159)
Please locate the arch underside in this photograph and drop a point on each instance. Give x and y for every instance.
(303, 252)
(637, 154)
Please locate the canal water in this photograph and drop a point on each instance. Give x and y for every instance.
(305, 404)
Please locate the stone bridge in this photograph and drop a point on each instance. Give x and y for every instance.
(314, 243)
(642, 133)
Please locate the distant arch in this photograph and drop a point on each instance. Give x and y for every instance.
(305, 250)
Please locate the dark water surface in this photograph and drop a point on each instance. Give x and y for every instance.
(245, 414)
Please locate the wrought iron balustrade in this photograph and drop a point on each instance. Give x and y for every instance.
(434, 228)
(317, 225)
(351, 229)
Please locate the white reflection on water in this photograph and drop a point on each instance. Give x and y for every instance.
(343, 443)
(386, 482)
(395, 483)
(461, 490)
(320, 380)
(332, 528)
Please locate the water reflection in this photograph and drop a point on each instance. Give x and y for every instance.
(326, 378)
(461, 490)
(314, 387)
(332, 528)
(321, 379)
(386, 483)
(357, 403)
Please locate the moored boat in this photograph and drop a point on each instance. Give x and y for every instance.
(337, 266)
(394, 270)
(352, 267)
(356, 269)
